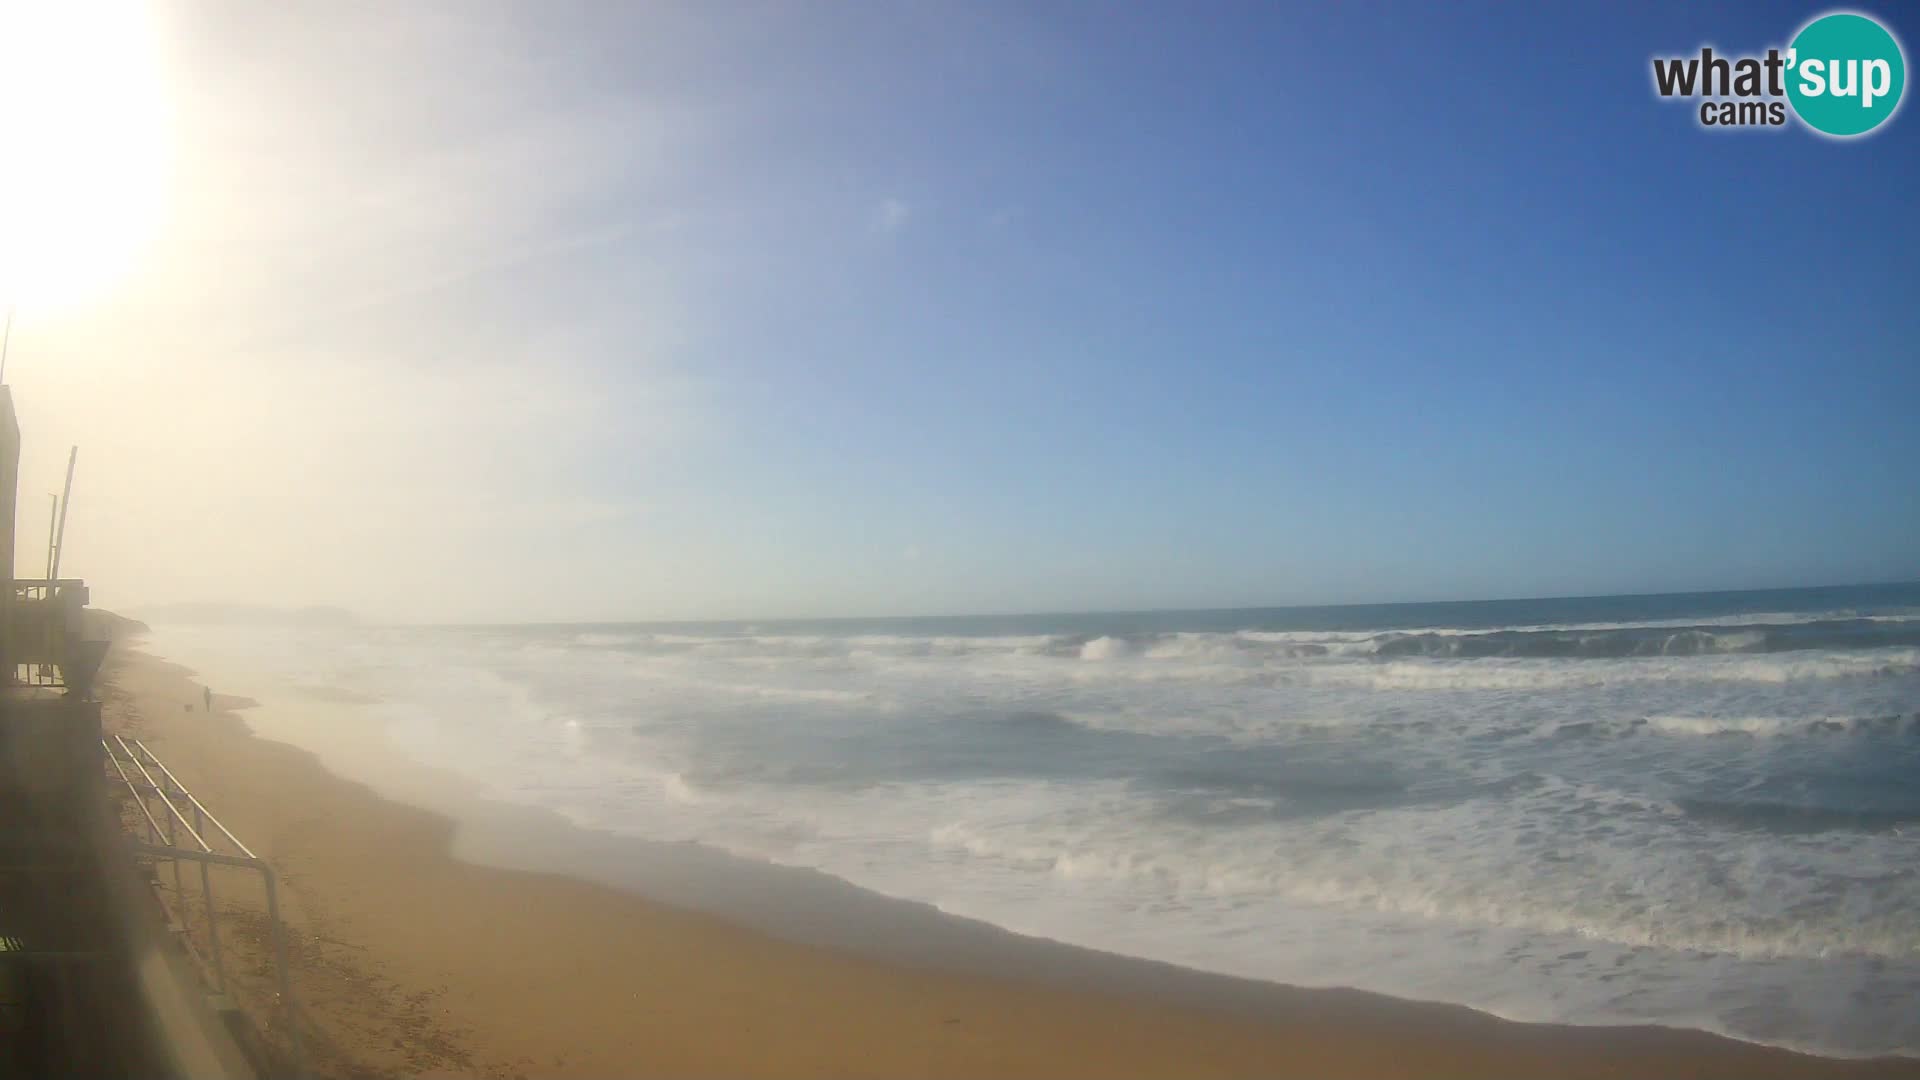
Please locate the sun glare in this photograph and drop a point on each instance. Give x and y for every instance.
(83, 147)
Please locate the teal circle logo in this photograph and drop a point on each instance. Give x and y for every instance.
(1845, 74)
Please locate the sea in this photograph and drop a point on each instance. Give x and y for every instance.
(1699, 810)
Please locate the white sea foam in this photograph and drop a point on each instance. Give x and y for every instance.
(1732, 725)
(608, 641)
(1495, 673)
(1722, 635)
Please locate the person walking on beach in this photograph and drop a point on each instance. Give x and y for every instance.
(208, 691)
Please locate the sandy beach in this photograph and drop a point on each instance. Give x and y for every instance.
(411, 961)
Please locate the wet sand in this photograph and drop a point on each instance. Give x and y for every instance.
(510, 943)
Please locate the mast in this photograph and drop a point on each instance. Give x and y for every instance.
(53, 515)
(60, 532)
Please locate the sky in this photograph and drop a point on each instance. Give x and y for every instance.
(468, 311)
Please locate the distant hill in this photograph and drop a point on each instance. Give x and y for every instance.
(104, 625)
(248, 615)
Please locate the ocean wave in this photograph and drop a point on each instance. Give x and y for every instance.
(1643, 641)
(1506, 674)
(1036, 722)
(1774, 726)
(1756, 634)
(1251, 648)
(1512, 888)
(609, 641)
(1105, 648)
(1790, 818)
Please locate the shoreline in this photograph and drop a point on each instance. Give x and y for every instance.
(774, 971)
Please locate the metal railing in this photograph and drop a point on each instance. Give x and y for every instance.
(164, 841)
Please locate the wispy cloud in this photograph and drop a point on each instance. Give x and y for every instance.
(891, 215)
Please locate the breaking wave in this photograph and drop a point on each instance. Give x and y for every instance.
(1896, 724)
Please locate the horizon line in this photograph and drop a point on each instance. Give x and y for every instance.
(1026, 614)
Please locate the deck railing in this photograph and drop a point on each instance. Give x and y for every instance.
(41, 588)
(180, 831)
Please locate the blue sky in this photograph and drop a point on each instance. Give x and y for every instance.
(897, 308)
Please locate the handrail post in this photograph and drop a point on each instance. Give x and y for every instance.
(178, 896)
(214, 929)
(280, 955)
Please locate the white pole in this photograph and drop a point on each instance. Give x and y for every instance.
(60, 532)
(53, 515)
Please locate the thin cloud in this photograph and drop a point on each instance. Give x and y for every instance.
(891, 215)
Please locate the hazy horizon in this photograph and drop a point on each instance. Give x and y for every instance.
(493, 313)
(242, 608)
